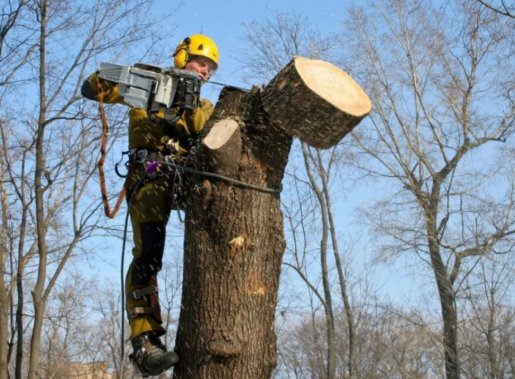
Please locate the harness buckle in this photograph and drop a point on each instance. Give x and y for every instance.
(139, 155)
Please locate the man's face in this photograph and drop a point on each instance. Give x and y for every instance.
(203, 66)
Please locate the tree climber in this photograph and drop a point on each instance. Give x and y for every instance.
(154, 135)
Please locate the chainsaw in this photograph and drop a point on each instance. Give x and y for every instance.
(154, 88)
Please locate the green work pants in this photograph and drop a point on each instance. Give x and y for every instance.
(150, 203)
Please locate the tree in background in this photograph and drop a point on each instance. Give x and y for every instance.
(501, 7)
(48, 150)
(488, 321)
(441, 81)
(274, 42)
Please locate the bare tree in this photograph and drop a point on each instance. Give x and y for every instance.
(10, 18)
(434, 76)
(107, 332)
(489, 320)
(390, 343)
(398, 343)
(276, 41)
(502, 7)
(48, 149)
(65, 326)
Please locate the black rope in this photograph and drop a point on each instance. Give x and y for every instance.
(221, 177)
(122, 281)
(122, 271)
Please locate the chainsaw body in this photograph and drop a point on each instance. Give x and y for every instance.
(152, 87)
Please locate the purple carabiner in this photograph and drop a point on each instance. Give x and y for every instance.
(151, 167)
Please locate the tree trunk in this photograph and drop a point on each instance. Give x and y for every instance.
(4, 298)
(450, 330)
(233, 249)
(447, 299)
(41, 229)
(234, 239)
(330, 370)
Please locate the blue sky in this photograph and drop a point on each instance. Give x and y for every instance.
(225, 22)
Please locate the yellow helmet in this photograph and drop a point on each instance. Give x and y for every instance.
(196, 44)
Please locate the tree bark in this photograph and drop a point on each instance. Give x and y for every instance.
(234, 239)
(4, 298)
(446, 295)
(41, 229)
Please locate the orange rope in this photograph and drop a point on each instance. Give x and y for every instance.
(103, 152)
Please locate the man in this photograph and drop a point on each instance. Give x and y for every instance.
(151, 136)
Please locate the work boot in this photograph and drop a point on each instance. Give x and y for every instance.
(150, 355)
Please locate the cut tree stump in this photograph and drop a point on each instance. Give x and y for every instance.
(315, 101)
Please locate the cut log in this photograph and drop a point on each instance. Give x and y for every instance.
(315, 101)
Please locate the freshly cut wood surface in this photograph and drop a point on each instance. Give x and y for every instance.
(333, 85)
(223, 144)
(315, 101)
(220, 133)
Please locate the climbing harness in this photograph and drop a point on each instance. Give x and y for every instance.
(153, 159)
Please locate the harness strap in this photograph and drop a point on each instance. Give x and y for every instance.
(138, 311)
(103, 152)
(140, 292)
